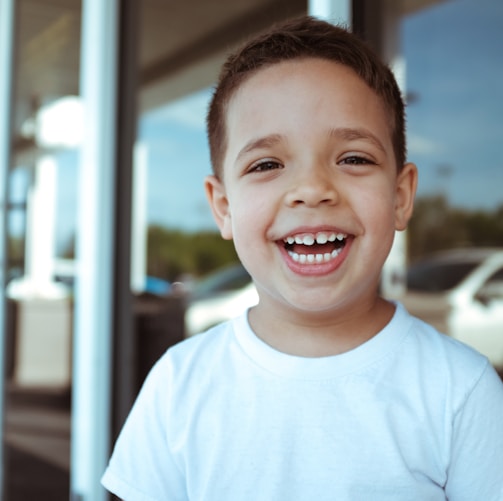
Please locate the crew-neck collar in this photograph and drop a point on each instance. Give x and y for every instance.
(320, 368)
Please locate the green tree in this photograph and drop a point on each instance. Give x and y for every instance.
(172, 253)
(436, 226)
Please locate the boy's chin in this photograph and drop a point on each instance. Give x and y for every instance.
(309, 305)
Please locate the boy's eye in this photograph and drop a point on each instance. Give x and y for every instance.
(356, 160)
(265, 165)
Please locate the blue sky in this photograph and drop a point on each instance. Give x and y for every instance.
(178, 161)
(455, 66)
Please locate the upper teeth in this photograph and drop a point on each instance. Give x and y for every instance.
(319, 238)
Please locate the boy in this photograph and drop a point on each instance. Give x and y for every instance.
(324, 390)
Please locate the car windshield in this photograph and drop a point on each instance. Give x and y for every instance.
(438, 276)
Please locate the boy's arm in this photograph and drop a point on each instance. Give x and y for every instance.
(476, 469)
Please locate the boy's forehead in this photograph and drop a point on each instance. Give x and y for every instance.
(297, 83)
(274, 76)
(291, 98)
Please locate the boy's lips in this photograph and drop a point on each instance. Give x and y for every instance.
(314, 248)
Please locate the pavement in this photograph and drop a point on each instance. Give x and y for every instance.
(37, 446)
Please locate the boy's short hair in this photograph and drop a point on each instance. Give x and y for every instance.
(304, 37)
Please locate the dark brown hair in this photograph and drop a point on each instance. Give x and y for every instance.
(304, 37)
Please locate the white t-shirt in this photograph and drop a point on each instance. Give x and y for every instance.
(409, 415)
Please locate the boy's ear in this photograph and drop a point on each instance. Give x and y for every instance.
(219, 204)
(405, 193)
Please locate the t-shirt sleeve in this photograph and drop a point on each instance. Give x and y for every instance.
(476, 469)
(142, 467)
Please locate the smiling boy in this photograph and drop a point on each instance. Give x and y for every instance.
(324, 390)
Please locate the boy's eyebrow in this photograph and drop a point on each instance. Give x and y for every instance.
(351, 134)
(261, 142)
(345, 133)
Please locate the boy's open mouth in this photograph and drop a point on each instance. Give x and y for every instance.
(315, 248)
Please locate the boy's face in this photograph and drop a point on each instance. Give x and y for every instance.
(310, 192)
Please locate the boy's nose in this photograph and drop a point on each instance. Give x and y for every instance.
(313, 188)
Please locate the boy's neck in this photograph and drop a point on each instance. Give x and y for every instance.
(319, 335)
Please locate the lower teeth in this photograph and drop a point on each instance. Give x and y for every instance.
(314, 258)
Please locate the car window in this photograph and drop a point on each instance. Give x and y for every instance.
(496, 277)
(437, 276)
(492, 288)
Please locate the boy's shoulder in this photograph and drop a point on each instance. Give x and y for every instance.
(441, 358)
(211, 339)
(407, 351)
(405, 337)
(195, 353)
(441, 346)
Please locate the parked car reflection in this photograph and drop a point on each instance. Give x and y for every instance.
(458, 291)
(461, 293)
(222, 295)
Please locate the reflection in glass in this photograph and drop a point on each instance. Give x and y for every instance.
(454, 81)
